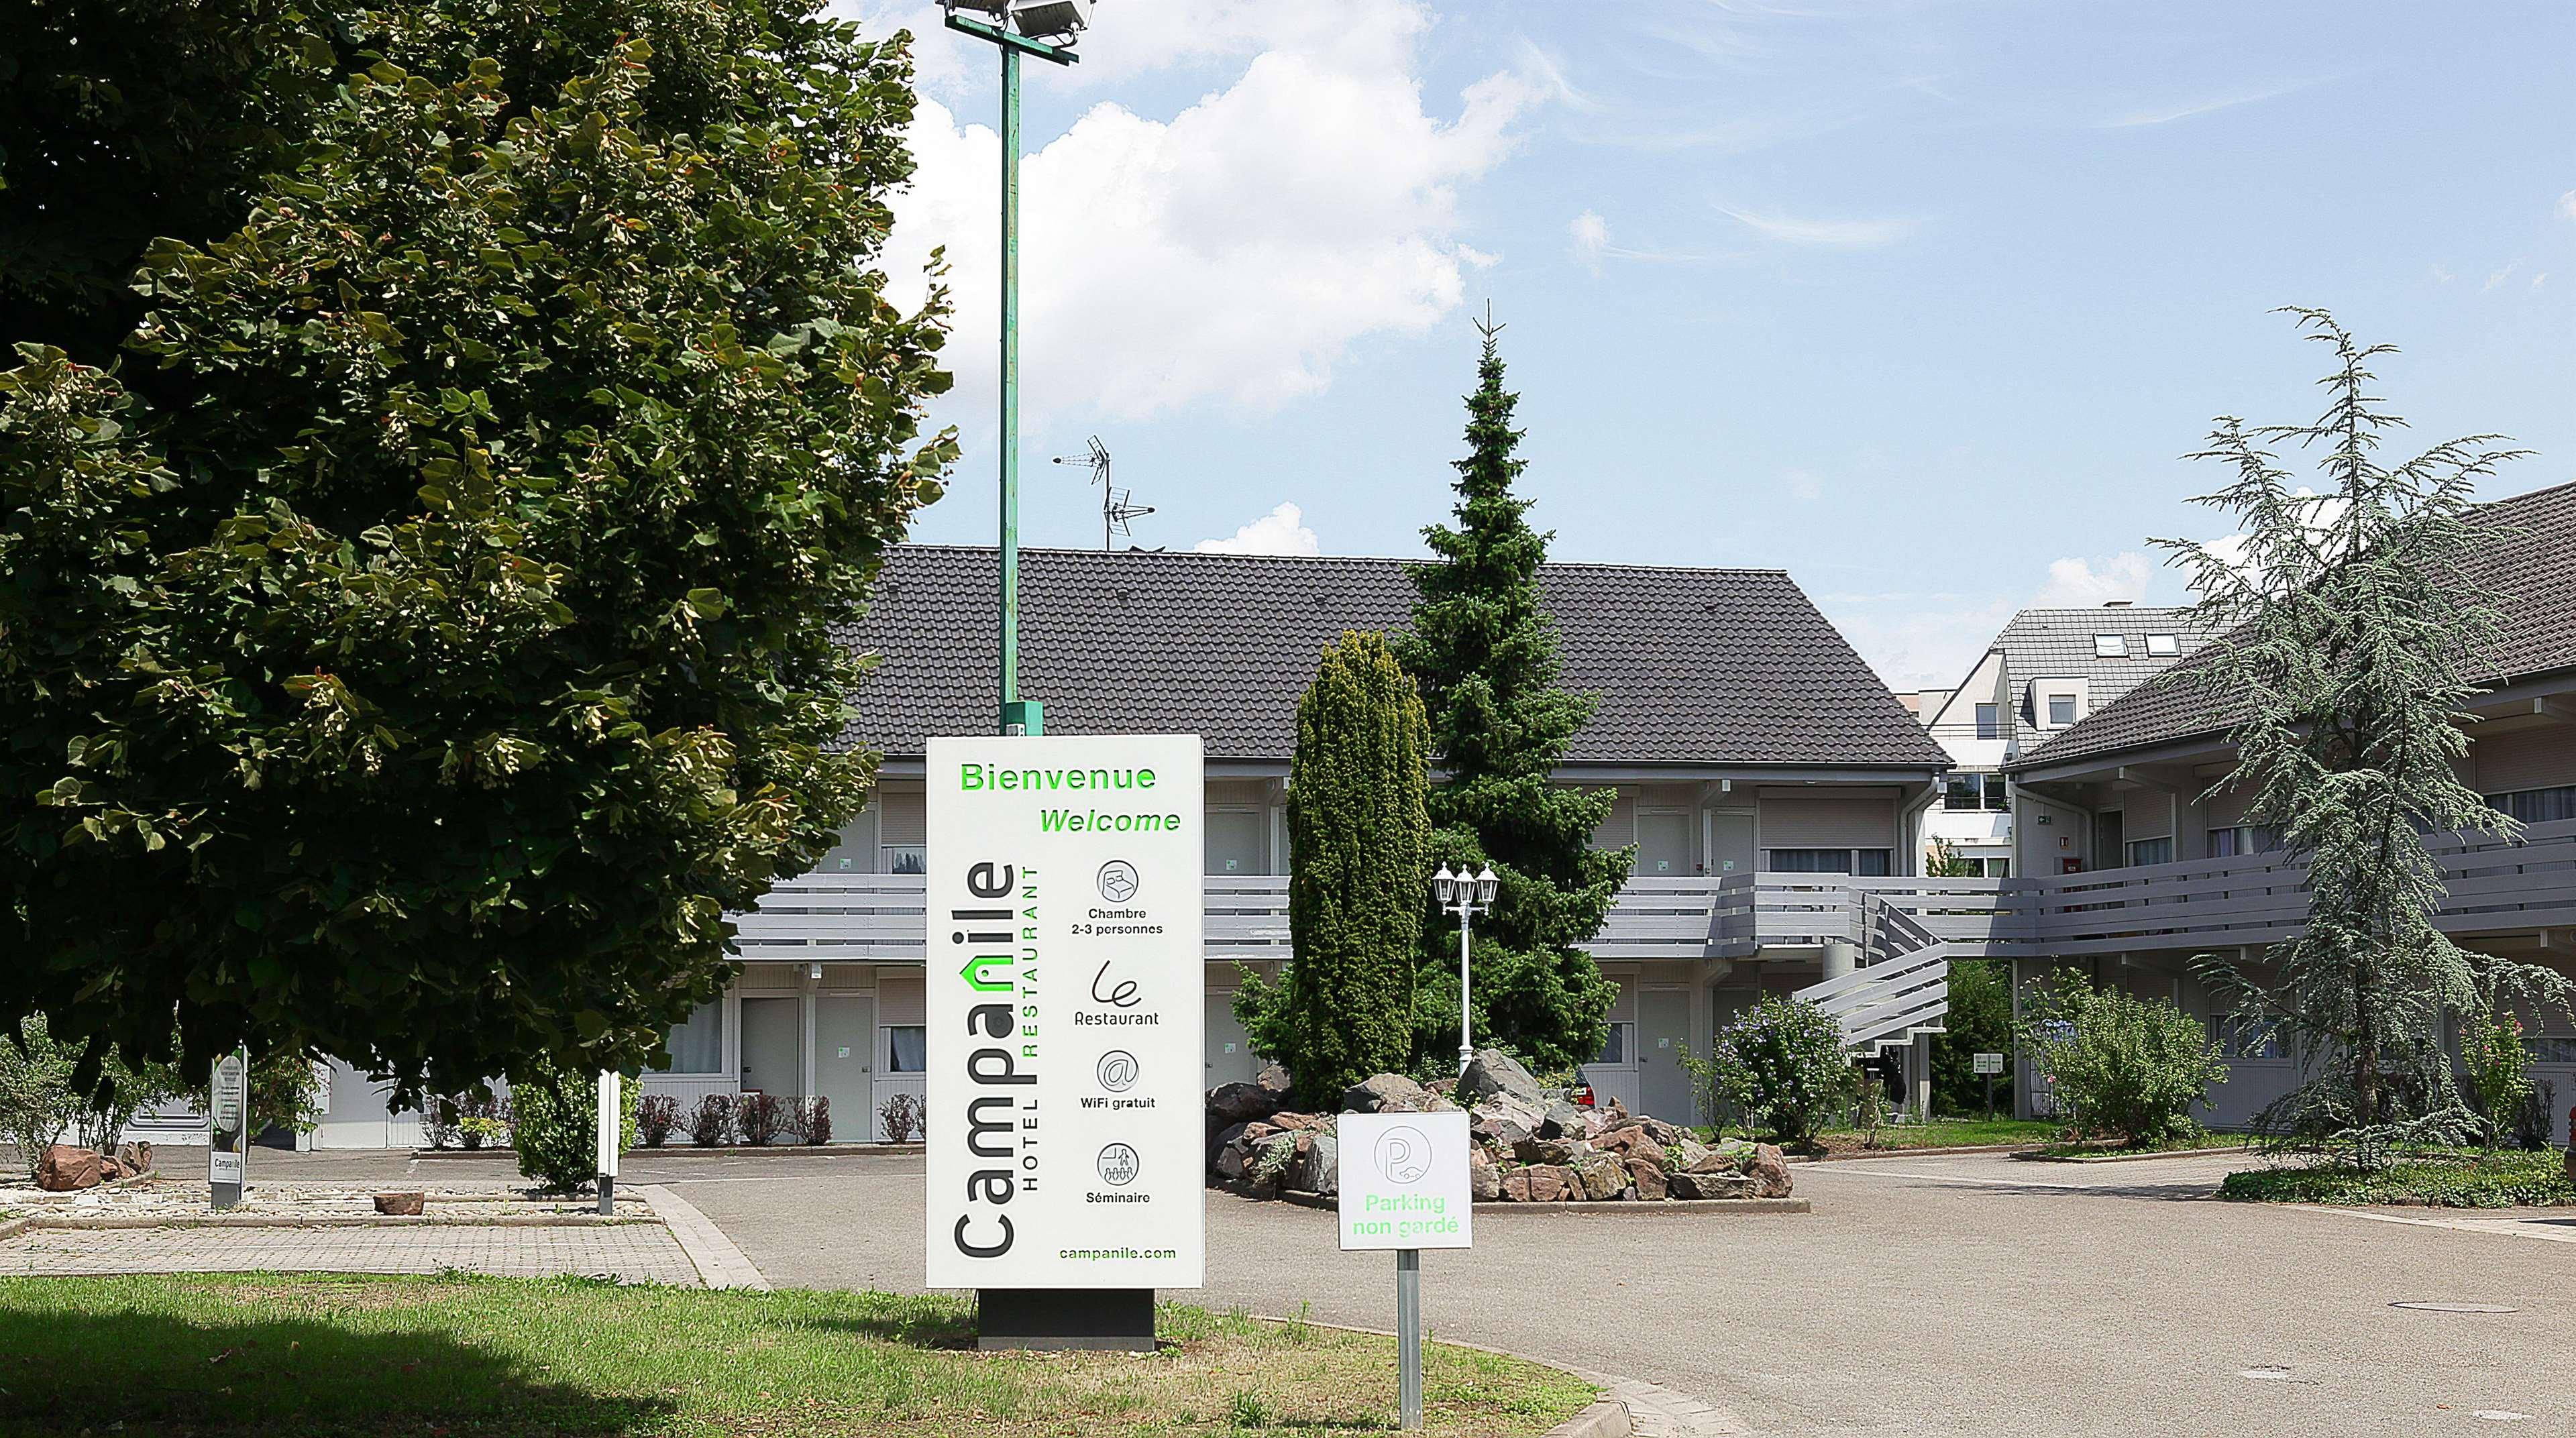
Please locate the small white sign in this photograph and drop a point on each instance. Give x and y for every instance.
(1404, 1180)
(611, 1120)
(1989, 1063)
(228, 1123)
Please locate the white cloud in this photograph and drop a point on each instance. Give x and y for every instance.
(1917, 641)
(2497, 277)
(2567, 204)
(2212, 104)
(2077, 584)
(1835, 234)
(1803, 484)
(1235, 251)
(1281, 531)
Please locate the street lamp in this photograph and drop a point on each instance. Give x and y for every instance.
(1046, 29)
(1465, 895)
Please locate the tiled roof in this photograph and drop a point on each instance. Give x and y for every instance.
(2530, 567)
(1702, 666)
(2058, 644)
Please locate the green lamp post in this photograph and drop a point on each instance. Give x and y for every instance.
(1044, 28)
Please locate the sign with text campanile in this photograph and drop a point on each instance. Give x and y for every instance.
(1065, 987)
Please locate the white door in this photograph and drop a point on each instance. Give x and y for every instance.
(1229, 1052)
(845, 1030)
(1730, 842)
(1614, 1074)
(1237, 842)
(900, 1069)
(773, 1046)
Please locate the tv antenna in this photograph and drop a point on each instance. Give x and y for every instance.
(1117, 506)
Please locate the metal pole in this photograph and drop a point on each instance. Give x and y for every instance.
(1466, 1045)
(610, 1120)
(1408, 1336)
(1010, 436)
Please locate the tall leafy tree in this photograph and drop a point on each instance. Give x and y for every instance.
(1484, 652)
(1359, 837)
(2353, 635)
(419, 667)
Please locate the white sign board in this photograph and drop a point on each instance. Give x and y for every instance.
(1404, 1180)
(1066, 981)
(1989, 1063)
(228, 1120)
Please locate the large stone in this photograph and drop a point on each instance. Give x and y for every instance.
(63, 1168)
(1493, 1073)
(1484, 1180)
(1514, 1185)
(1649, 1180)
(1276, 1078)
(1664, 1134)
(1727, 1157)
(1386, 1093)
(400, 1205)
(1710, 1185)
(1562, 1120)
(1628, 1142)
(1317, 1168)
(1300, 1122)
(1239, 1102)
(1503, 1119)
(1769, 1171)
(1548, 1182)
(1544, 1150)
(1602, 1176)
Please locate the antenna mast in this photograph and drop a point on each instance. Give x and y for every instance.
(1117, 506)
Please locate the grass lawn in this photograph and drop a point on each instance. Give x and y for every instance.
(460, 1355)
(2460, 1180)
(1940, 1133)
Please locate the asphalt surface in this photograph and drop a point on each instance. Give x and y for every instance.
(1958, 1295)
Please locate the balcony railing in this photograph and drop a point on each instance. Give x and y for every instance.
(2196, 904)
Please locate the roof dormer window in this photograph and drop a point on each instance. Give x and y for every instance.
(2110, 646)
(2163, 646)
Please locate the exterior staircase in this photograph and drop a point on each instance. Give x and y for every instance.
(1900, 989)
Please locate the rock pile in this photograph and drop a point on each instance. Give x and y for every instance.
(62, 1167)
(1530, 1146)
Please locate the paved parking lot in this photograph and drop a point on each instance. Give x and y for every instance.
(1962, 1295)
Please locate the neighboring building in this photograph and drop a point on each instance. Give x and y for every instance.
(2046, 672)
(2162, 868)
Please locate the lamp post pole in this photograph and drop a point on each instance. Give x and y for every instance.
(1466, 1047)
(1017, 716)
(1464, 894)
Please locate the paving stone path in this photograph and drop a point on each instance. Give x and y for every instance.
(633, 1252)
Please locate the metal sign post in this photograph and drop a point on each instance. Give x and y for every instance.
(612, 1111)
(1404, 1186)
(228, 1129)
(1989, 1065)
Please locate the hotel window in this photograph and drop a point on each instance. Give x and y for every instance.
(2163, 646)
(2537, 806)
(697, 1045)
(1998, 868)
(2249, 1041)
(907, 859)
(1614, 1049)
(2061, 710)
(1868, 863)
(2242, 839)
(1990, 721)
(905, 1053)
(2110, 646)
(2150, 851)
(1974, 791)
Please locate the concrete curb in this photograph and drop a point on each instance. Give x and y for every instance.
(99, 1222)
(2035, 1156)
(1628, 1406)
(1699, 1207)
(718, 1262)
(1866, 1155)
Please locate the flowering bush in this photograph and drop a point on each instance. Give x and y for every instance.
(655, 1117)
(2499, 1068)
(902, 1118)
(755, 1118)
(1782, 1069)
(712, 1123)
(818, 1119)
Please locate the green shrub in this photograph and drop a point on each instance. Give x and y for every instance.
(2119, 1064)
(1782, 1068)
(2497, 1180)
(36, 1102)
(655, 1116)
(556, 1127)
(2498, 1062)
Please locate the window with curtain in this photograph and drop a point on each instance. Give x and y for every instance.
(907, 859)
(2151, 851)
(1989, 721)
(905, 1049)
(2537, 806)
(2242, 839)
(1963, 791)
(1614, 1049)
(1811, 861)
(2061, 709)
(697, 1046)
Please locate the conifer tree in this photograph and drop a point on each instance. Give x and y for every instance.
(1484, 653)
(1358, 840)
(2354, 632)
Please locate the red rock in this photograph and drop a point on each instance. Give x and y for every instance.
(1769, 1171)
(1649, 1178)
(64, 1168)
(1515, 1185)
(401, 1205)
(1548, 1183)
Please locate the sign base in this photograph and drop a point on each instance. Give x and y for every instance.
(1112, 1319)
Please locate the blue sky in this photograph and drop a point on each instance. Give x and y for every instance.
(1921, 302)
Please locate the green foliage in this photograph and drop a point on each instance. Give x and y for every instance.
(1781, 1068)
(284, 1094)
(2494, 1180)
(2498, 1064)
(1980, 1021)
(1357, 839)
(2119, 1064)
(554, 1125)
(1942, 860)
(36, 1099)
(125, 1091)
(2354, 637)
(422, 673)
(1484, 653)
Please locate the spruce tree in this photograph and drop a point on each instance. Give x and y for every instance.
(1484, 653)
(2353, 639)
(1358, 841)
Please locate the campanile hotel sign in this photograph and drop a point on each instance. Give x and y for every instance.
(1064, 1007)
